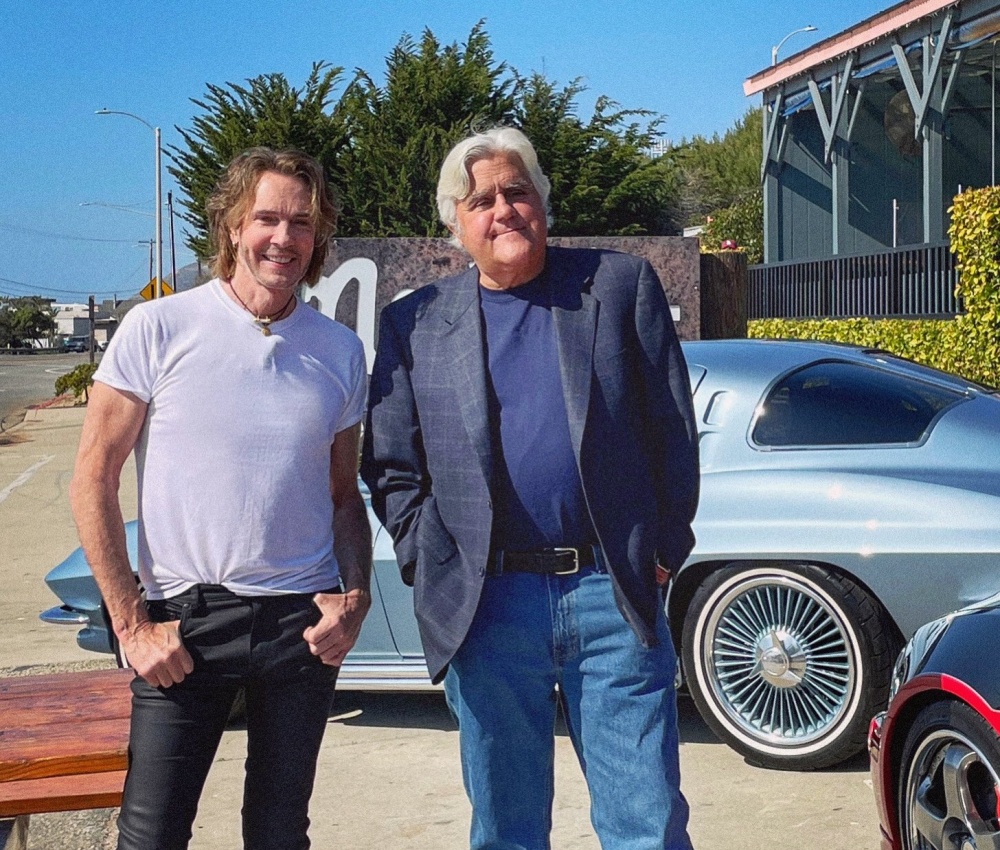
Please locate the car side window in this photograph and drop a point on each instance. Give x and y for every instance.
(835, 403)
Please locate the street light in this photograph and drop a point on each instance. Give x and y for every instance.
(159, 195)
(150, 242)
(777, 47)
(121, 207)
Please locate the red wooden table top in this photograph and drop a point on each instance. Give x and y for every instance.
(60, 724)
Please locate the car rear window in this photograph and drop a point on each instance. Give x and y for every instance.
(846, 404)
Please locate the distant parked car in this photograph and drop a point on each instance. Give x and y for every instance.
(935, 753)
(848, 496)
(77, 344)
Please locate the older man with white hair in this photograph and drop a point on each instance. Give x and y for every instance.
(531, 447)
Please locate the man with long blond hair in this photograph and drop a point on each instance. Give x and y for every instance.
(243, 406)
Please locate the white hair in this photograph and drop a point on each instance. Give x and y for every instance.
(454, 183)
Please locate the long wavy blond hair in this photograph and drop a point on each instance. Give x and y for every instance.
(234, 195)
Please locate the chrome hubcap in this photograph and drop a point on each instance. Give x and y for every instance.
(782, 660)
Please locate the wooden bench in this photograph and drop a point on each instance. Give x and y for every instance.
(63, 746)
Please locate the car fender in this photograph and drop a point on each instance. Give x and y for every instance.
(869, 527)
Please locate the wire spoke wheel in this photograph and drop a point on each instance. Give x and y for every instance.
(781, 659)
(779, 662)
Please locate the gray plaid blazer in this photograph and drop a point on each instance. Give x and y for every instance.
(428, 461)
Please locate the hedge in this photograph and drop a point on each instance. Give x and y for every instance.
(969, 344)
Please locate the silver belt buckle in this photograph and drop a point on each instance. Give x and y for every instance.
(576, 561)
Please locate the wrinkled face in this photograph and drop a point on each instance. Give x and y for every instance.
(502, 223)
(274, 242)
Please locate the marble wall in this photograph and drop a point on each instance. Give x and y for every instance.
(363, 275)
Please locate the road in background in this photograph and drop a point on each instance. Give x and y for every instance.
(27, 379)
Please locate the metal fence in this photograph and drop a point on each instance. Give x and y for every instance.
(916, 281)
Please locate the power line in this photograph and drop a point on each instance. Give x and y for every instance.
(48, 235)
(76, 296)
(34, 289)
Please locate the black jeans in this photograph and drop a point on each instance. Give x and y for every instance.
(250, 642)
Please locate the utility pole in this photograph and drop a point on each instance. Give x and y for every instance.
(173, 253)
(90, 316)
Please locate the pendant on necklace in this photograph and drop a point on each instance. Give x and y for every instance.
(263, 322)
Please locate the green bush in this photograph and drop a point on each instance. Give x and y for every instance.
(941, 343)
(743, 223)
(78, 381)
(968, 345)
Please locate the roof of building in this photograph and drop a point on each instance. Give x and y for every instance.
(860, 35)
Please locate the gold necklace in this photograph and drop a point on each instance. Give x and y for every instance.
(262, 322)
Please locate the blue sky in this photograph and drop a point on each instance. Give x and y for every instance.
(62, 62)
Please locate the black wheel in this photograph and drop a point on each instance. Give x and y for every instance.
(950, 790)
(787, 663)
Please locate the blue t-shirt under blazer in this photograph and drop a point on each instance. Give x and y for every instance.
(538, 496)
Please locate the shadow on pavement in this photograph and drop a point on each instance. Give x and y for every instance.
(694, 730)
(393, 710)
(429, 711)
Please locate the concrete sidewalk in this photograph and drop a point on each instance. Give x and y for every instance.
(37, 530)
(388, 775)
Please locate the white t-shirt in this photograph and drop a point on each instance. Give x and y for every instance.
(234, 456)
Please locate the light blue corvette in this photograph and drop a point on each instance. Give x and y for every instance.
(847, 497)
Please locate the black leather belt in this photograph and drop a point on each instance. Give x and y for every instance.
(558, 561)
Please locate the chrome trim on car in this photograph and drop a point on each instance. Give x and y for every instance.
(62, 616)
(390, 676)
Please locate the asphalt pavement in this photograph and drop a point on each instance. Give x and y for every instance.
(26, 379)
(388, 776)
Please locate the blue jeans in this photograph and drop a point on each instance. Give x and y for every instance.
(251, 642)
(537, 640)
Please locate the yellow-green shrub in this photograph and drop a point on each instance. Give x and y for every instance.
(967, 345)
(78, 381)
